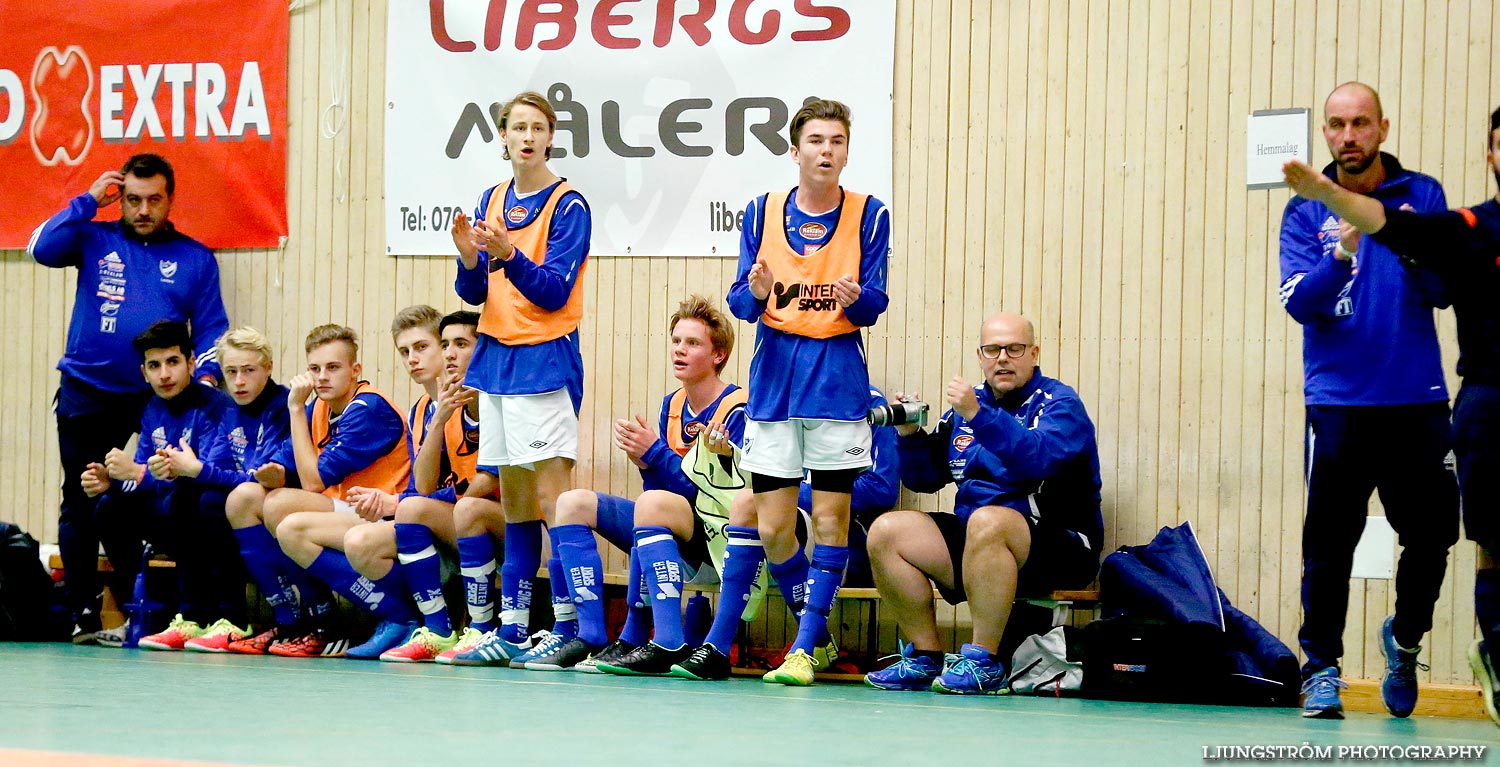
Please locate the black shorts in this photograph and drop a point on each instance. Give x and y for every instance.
(694, 551)
(1476, 442)
(1059, 559)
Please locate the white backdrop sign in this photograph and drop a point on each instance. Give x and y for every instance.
(672, 114)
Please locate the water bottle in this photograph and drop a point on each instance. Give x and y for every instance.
(140, 607)
(699, 619)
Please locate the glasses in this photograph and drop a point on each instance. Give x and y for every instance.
(992, 351)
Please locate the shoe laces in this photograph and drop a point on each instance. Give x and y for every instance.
(221, 627)
(962, 665)
(180, 623)
(798, 658)
(908, 666)
(1317, 685)
(469, 638)
(958, 664)
(549, 641)
(426, 637)
(1405, 668)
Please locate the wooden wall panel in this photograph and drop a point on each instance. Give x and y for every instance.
(1079, 161)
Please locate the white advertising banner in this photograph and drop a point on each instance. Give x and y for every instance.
(672, 114)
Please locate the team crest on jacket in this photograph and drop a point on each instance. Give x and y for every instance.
(516, 214)
(168, 269)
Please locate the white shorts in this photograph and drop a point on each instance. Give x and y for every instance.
(784, 448)
(521, 429)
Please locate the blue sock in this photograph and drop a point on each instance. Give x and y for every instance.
(333, 568)
(827, 571)
(637, 629)
(416, 550)
(791, 578)
(398, 605)
(582, 566)
(662, 565)
(564, 612)
(264, 560)
(1487, 608)
(476, 563)
(523, 555)
(743, 557)
(316, 598)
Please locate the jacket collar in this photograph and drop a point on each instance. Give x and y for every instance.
(1396, 176)
(1016, 398)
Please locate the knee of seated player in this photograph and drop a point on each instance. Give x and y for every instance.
(364, 540)
(891, 529)
(294, 533)
(417, 509)
(578, 507)
(996, 528)
(244, 504)
(661, 508)
(280, 504)
(742, 509)
(472, 516)
(364, 544)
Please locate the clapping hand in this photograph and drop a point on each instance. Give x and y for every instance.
(635, 438)
(962, 399)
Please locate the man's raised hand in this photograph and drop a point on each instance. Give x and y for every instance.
(107, 188)
(760, 279)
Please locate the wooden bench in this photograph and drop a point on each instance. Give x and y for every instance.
(55, 562)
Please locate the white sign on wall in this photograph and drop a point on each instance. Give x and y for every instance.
(672, 115)
(1375, 556)
(1273, 137)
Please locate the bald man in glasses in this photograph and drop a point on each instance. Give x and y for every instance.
(1021, 449)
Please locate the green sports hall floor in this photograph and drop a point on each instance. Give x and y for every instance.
(79, 701)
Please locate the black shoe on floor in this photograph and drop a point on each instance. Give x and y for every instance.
(650, 659)
(563, 657)
(706, 664)
(614, 652)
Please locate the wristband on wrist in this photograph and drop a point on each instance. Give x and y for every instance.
(1338, 247)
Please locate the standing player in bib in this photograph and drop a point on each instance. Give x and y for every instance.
(812, 273)
(522, 258)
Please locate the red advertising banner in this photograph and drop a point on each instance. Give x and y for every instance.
(200, 82)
